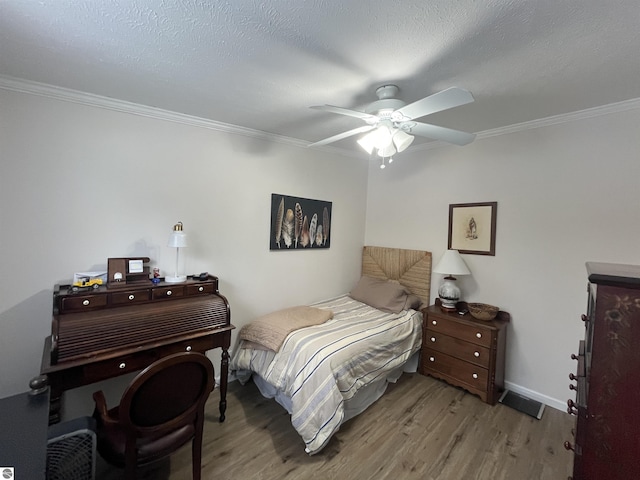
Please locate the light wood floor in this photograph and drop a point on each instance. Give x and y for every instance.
(421, 428)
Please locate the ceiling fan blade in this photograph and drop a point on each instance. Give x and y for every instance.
(345, 111)
(441, 133)
(449, 98)
(342, 135)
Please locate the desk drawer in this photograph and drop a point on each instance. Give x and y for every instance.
(202, 288)
(82, 303)
(95, 372)
(130, 297)
(455, 368)
(175, 291)
(468, 352)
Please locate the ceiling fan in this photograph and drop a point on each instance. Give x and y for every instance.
(390, 121)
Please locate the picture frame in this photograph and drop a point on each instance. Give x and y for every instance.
(299, 223)
(472, 228)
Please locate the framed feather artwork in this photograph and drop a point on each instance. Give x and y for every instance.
(299, 223)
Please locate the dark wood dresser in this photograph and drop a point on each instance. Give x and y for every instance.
(465, 352)
(106, 332)
(606, 441)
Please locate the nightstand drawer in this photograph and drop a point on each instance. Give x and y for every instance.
(467, 331)
(454, 368)
(468, 352)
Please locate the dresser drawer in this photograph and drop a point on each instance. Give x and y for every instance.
(467, 331)
(468, 352)
(168, 292)
(82, 303)
(454, 368)
(202, 288)
(130, 297)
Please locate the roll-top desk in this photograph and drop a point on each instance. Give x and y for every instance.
(606, 443)
(107, 332)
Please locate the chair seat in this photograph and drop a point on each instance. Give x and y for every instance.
(112, 440)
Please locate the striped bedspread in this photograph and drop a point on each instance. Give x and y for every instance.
(320, 367)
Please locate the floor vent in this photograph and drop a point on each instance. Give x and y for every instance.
(522, 404)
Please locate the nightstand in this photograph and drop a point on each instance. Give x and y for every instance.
(465, 352)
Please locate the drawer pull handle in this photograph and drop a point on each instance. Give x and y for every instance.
(85, 303)
(584, 318)
(475, 375)
(479, 335)
(433, 339)
(572, 387)
(188, 349)
(433, 322)
(201, 289)
(568, 446)
(476, 354)
(131, 297)
(432, 359)
(122, 365)
(169, 292)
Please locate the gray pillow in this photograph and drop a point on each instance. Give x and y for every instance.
(381, 294)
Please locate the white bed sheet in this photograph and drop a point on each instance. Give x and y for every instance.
(324, 375)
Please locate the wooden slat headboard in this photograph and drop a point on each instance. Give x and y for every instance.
(411, 268)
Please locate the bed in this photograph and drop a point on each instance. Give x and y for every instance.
(326, 363)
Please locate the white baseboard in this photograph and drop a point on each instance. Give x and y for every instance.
(551, 402)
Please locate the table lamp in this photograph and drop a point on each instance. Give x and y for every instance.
(450, 264)
(178, 240)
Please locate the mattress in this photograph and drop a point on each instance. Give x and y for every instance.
(319, 371)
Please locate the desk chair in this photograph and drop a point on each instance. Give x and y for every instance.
(160, 411)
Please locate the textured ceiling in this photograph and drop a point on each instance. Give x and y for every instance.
(261, 64)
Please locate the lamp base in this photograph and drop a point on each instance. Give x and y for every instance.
(447, 308)
(449, 294)
(175, 279)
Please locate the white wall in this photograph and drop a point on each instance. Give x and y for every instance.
(79, 184)
(566, 194)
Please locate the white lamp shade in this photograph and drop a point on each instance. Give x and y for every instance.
(177, 239)
(452, 263)
(402, 140)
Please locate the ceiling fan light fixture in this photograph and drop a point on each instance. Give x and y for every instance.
(382, 137)
(387, 151)
(368, 142)
(402, 140)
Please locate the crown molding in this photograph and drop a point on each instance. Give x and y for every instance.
(83, 98)
(75, 96)
(547, 122)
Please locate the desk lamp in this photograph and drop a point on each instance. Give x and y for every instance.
(450, 264)
(178, 240)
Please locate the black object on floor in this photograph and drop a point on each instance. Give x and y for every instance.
(522, 404)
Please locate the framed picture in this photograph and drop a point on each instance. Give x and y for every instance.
(472, 227)
(299, 223)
